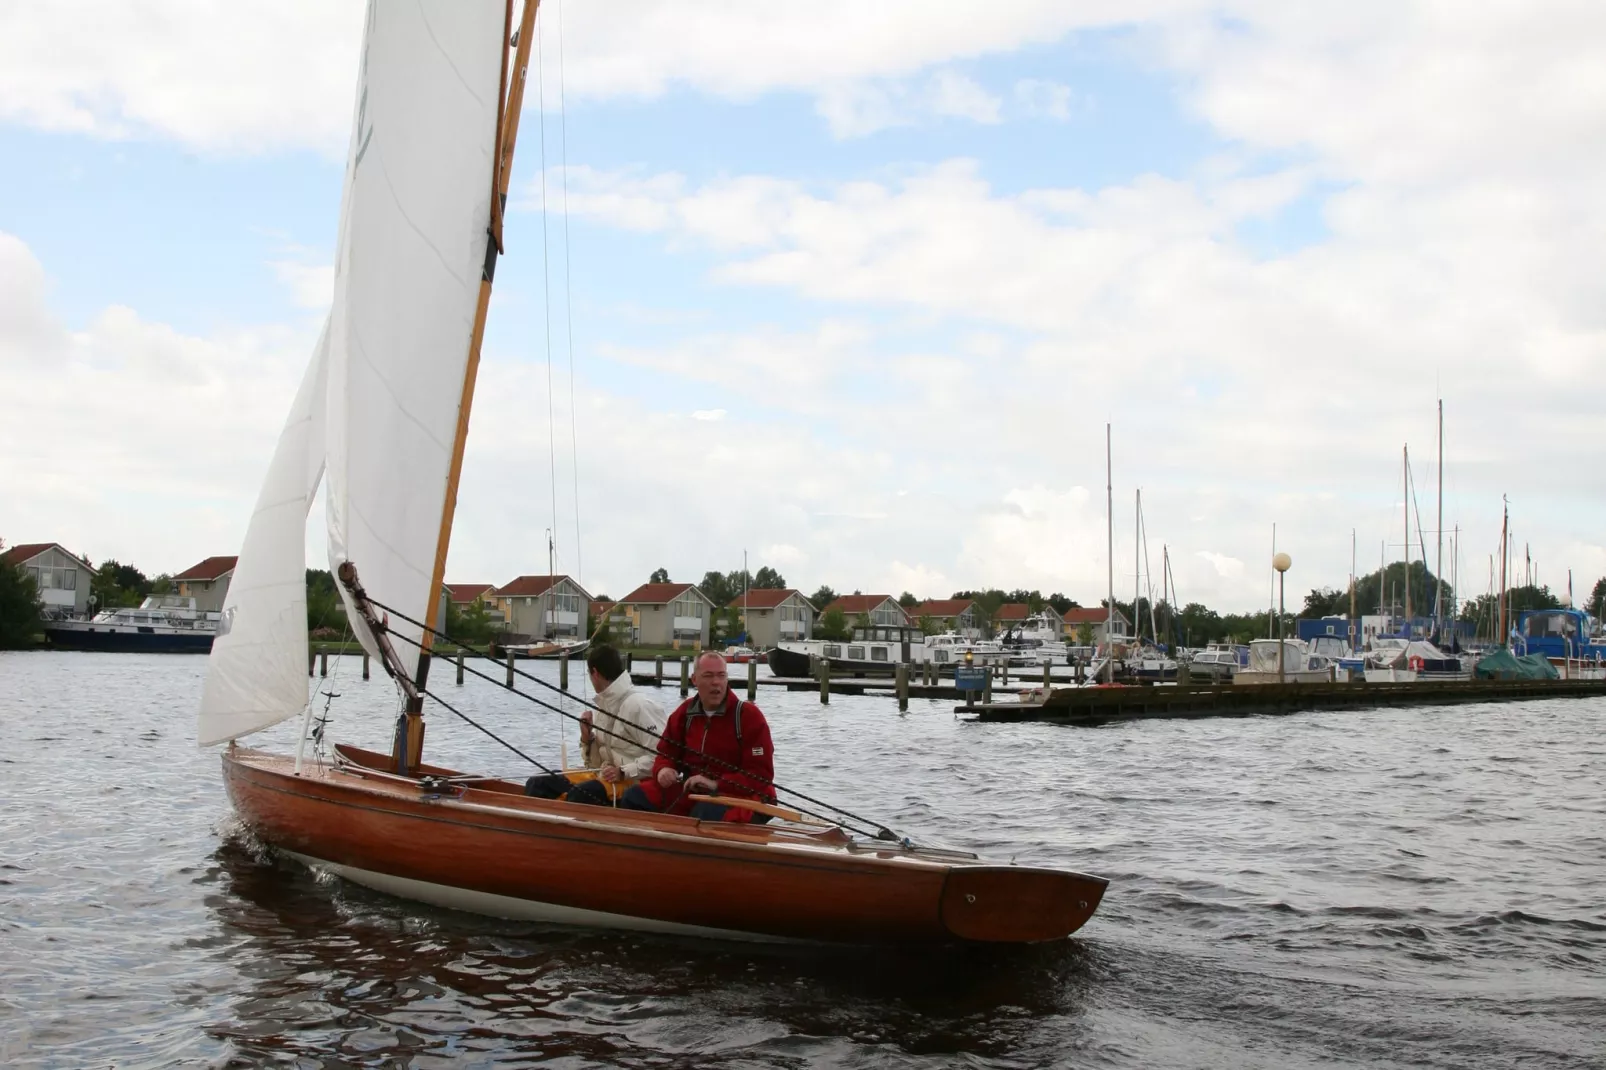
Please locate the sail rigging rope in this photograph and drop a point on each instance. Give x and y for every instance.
(546, 281)
(881, 831)
(568, 299)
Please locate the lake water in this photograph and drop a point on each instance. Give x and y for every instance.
(1421, 887)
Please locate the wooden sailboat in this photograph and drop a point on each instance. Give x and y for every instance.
(383, 411)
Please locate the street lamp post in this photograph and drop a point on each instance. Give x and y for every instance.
(1282, 563)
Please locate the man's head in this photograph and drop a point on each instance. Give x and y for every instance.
(710, 678)
(605, 666)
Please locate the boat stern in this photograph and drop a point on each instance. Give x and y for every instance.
(1016, 904)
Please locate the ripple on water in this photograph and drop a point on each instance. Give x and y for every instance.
(1366, 889)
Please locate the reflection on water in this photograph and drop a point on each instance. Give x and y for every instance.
(1422, 887)
(335, 967)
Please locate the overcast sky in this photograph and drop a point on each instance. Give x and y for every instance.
(855, 286)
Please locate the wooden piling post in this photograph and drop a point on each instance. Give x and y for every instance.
(825, 682)
(312, 660)
(987, 691)
(323, 663)
(510, 668)
(752, 681)
(658, 671)
(563, 674)
(901, 678)
(685, 676)
(365, 664)
(459, 668)
(1047, 665)
(1004, 668)
(626, 655)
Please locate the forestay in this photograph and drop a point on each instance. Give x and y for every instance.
(257, 675)
(411, 251)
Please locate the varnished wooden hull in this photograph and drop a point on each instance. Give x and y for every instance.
(491, 850)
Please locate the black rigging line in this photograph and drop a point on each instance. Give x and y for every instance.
(882, 832)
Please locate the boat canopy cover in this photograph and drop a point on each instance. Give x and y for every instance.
(1503, 665)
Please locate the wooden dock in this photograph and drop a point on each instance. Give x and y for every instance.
(1105, 705)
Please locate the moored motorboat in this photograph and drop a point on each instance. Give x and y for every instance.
(161, 624)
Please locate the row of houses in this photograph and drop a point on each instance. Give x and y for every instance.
(654, 614)
(679, 614)
(64, 579)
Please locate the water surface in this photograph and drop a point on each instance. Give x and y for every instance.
(1421, 887)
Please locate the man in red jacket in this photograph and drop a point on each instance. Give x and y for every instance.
(714, 744)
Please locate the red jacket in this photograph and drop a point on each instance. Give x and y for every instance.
(736, 733)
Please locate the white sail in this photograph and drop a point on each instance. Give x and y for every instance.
(411, 251)
(257, 674)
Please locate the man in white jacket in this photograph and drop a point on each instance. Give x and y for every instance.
(622, 743)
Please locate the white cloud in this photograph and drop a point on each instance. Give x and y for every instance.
(312, 286)
(709, 415)
(1228, 568)
(857, 109)
(1040, 98)
(782, 555)
(126, 438)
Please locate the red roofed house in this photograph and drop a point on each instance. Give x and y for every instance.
(63, 578)
(464, 595)
(544, 606)
(668, 614)
(207, 583)
(882, 610)
(770, 616)
(1096, 619)
(951, 614)
(1016, 614)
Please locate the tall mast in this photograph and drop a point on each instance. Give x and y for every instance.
(1353, 645)
(1137, 569)
(1438, 566)
(1405, 482)
(1504, 518)
(1109, 557)
(1271, 609)
(410, 734)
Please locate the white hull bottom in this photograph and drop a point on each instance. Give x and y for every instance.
(1302, 676)
(503, 906)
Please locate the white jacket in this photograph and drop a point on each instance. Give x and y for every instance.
(636, 751)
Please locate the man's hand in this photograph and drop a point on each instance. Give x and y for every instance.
(668, 778)
(702, 784)
(609, 774)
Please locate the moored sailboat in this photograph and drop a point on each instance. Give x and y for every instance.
(383, 411)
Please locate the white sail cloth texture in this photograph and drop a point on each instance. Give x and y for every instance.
(413, 234)
(257, 674)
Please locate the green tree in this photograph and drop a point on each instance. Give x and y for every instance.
(163, 584)
(1084, 634)
(20, 616)
(717, 587)
(928, 625)
(833, 625)
(1325, 601)
(908, 600)
(117, 584)
(1062, 604)
(659, 575)
(1596, 606)
(768, 579)
(822, 597)
(324, 607)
